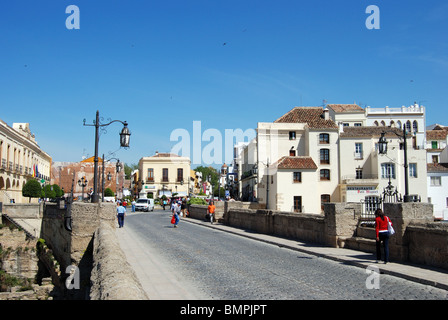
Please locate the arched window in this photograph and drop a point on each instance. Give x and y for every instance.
(383, 123)
(408, 126)
(415, 126)
(392, 124)
(399, 124)
(376, 123)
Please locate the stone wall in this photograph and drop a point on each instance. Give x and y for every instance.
(417, 239)
(112, 277)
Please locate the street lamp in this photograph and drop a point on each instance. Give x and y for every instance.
(382, 149)
(82, 183)
(124, 142)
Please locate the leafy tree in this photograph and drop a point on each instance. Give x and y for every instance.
(32, 189)
(209, 171)
(58, 191)
(49, 192)
(128, 169)
(108, 192)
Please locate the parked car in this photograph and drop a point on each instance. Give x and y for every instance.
(144, 205)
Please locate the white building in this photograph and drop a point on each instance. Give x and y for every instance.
(365, 172)
(296, 167)
(437, 167)
(21, 160)
(413, 117)
(164, 174)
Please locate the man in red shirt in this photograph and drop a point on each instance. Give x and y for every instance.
(382, 234)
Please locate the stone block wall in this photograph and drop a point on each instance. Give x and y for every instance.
(112, 277)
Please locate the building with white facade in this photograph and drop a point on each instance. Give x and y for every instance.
(163, 174)
(366, 173)
(296, 162)
(21, 160)
(413, 117)
(437, 167)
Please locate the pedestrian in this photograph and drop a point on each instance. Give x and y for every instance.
(121, 212)
(183, 207)
(211, 211)
(133, 205)
(382, 234)
(176, 211)
(164, 203)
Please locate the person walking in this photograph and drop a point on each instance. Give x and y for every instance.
(121, 212)
(176, 211)
(382, 234)
(133, 205)
(211, 211)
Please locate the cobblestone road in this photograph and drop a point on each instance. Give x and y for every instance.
(226, 266)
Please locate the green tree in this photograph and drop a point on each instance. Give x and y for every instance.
(32, 189)
(128, 169)
(58, 191)
(108, 192)
(49, 192)
(209, 171)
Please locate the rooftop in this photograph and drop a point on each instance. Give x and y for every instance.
(297, 162)
(313, 116)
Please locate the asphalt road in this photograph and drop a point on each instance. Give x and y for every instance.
(223, 266)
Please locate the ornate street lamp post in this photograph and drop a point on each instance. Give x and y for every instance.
(82, 183)
(382, 149)
(124, 142)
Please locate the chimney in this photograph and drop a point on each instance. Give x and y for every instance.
(326, 114)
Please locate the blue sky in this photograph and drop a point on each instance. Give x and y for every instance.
(160, 65)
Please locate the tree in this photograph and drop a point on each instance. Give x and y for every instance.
(49, 192)
(108, 192)
(58, 191)
(128, 169)
(32, 189)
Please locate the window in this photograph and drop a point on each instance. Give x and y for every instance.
(413, 170)
(180, 174)
(358, 173)
(434, 145)
(292, 153)
(297, 204)
(436, 181)
(358, 150)
(387, 170)
(324, 156)
(324, 198)
(415, 126)
(297, 177)
(292, 135)
(165, 175)
(151, 174)
(324, 138)
(435, 159)
(357, 124)
(324, 174)
(408, 126)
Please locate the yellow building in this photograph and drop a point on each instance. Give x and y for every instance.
(21, 160)
(163, 174)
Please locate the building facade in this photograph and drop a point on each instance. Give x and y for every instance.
(164, 174)
(67, 175)
(21, 160)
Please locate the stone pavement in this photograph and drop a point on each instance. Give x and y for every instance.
(161, 283)
(417, 273)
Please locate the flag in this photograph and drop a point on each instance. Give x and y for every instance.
(34, 170)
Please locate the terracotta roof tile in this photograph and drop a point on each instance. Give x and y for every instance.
(370, 131)
(298, 162)
(437, 167)
(345, 107)
(313, 116)
(436, 134)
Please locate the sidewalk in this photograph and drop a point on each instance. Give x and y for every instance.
(417, 273)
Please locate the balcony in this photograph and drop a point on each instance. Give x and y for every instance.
(364, 179)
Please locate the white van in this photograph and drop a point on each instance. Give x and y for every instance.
(144, 204)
